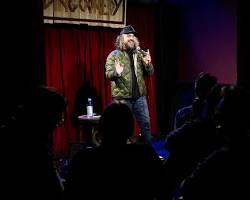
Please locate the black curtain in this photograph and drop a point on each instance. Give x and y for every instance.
(21, 51)
(167, 53)
(243, 54)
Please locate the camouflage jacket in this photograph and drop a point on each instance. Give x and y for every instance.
(121, 86)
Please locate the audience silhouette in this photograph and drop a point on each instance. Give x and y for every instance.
(116, 169)
(225, 173)
(35, 175)
(195, 139)
(203, 85)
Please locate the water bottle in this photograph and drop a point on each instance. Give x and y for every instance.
(89, 108)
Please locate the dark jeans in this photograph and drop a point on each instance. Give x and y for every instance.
(140, 109)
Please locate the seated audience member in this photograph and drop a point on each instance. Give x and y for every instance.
(36, 176)
(225, 173)
(204, 83)
(192, 142)
(116, 169)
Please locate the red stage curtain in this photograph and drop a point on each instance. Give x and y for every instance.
(77, 55)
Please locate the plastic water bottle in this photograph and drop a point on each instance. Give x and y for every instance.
(89, 108)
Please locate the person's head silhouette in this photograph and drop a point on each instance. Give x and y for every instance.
(204, 84)
(116, 124)
(43, 112)
(234, 109)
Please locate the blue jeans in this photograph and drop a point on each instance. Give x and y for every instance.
(140, 109)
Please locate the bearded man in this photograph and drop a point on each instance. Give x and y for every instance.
(125, 68)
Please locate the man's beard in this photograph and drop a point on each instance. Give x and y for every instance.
(130, 47)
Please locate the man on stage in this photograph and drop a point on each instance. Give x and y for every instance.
(125, 68)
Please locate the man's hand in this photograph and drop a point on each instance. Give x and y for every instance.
(147, 58)
(118, 67)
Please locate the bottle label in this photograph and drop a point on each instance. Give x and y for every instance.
(89, 111)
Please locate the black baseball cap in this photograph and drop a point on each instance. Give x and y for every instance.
(128, 29)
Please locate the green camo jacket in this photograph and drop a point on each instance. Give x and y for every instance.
(122, 86)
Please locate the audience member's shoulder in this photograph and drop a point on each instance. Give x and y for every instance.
(141, 149)
(179, 133)
(85, 153)
(185, 109)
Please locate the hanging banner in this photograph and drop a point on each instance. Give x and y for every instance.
(109, 13)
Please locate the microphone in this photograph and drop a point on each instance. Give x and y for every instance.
(144, 53)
